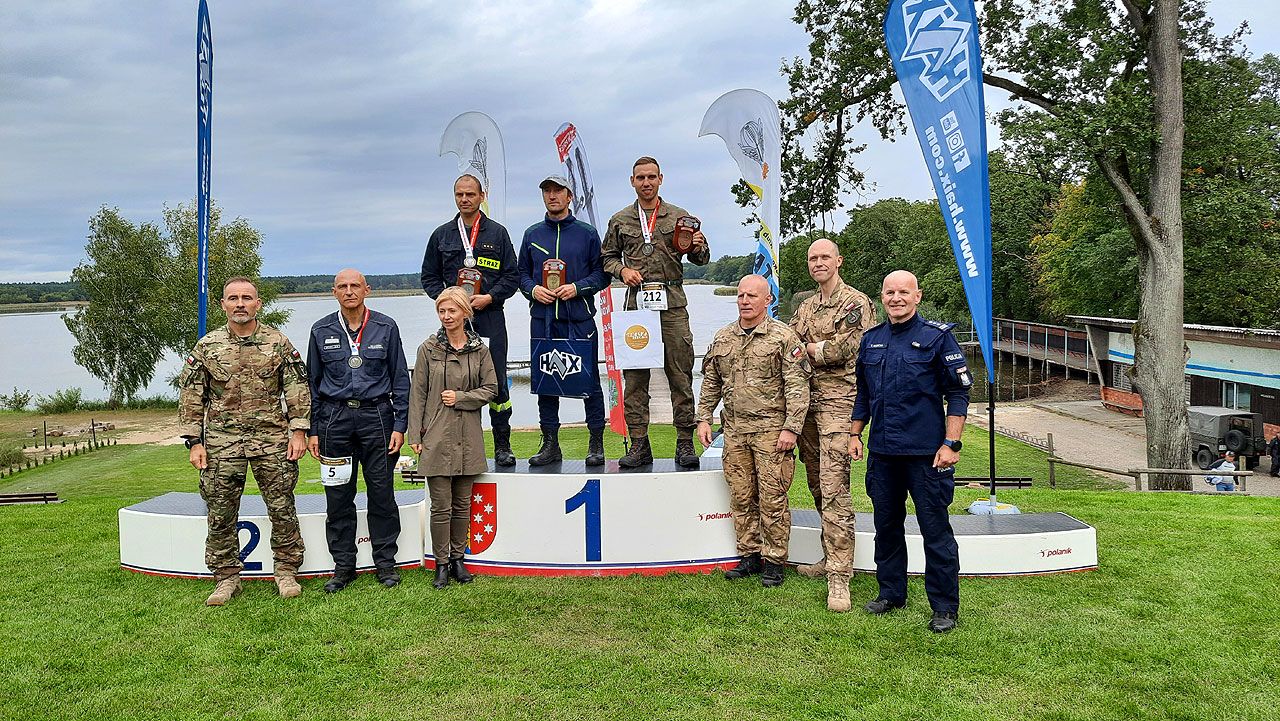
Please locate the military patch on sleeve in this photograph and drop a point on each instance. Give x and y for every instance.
(962, 375)
(855, 314)
(191, 360)
(296, 355)
(797, 353)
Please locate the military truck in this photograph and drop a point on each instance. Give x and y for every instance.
(1216, 430)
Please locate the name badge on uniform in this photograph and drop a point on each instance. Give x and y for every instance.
(335, 471)
(652, 296)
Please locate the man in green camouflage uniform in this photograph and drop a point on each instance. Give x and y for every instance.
(758, 367)
(830, 323)
(232, 417)
(642, 254)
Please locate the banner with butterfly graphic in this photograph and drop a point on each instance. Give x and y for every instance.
(747, 121)
(476, 140)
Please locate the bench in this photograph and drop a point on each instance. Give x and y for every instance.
(13, 499)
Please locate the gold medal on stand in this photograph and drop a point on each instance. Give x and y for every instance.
(553, 273)
(682, 238)
(469, 280)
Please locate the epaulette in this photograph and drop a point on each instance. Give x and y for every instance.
(940, 325)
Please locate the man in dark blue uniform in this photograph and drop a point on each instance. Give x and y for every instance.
(906, 368)
(566, 311)
(360, 408)
(474, 242)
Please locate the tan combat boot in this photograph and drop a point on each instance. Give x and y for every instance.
(224, 591)
(838, 594)
(287, 583)
(813, 570)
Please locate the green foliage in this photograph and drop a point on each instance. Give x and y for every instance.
(16, 401)
(62, 401)
(55, 292)
(11, 457)
(728, 270)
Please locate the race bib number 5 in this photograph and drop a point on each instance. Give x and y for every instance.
(335, 471)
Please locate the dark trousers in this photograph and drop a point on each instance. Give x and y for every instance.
(500, 407)
(364, 434)
(889, 480)
(549, 406)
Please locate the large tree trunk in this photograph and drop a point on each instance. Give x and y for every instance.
(1159, 356)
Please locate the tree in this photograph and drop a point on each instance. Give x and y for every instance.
(119, 336)
(233, 250)
(1102, 80)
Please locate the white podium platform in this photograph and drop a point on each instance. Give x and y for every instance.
(568, 520)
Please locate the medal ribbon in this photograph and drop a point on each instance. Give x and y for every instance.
(646, 226)
(469, 247)
(355, 344)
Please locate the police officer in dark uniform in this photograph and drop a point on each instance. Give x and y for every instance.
(473, 241)
(360, 405)
(906, 368)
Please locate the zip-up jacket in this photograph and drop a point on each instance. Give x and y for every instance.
(495, 259)
(578, 245)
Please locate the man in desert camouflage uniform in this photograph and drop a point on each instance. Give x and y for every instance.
(232, 417)
(830, 323)
(758, 367)
(641, 254)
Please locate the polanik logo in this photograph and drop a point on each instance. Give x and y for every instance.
(559, 363)
(940, 42)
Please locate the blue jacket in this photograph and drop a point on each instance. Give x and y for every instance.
(905, 370)
(578, 245)
(495, 259)
(383, 372)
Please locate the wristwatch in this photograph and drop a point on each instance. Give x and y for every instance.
(955, 445)
(193, 441)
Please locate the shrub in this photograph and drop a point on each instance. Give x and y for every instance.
(11, 457)
(63, 401)
(16, 401)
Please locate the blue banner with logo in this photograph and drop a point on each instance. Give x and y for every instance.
(204, 147)
(934, 48)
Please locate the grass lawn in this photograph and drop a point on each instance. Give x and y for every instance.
(1180, 622)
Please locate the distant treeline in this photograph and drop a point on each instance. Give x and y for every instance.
(727, 271)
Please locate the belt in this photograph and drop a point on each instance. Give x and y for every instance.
(669, 283)
(357, 402)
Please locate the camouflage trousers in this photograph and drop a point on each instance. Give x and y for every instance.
(826, 466)
(759, 478)
(677, 349)
(221, 486)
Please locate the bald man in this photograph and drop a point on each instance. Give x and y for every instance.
(757, 366)
(360, 400)
(906, 369)
(830, 323)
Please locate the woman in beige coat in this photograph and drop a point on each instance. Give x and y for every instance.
(453, 379)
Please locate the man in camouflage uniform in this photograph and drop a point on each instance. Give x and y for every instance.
(231, 418)
(830, 323)
(638, 248)
(758, 367)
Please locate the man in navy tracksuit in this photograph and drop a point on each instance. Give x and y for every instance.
(473, 240)
(567, 311)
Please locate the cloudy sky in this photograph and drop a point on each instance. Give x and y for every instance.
(327, 115)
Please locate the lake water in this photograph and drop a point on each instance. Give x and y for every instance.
(35, 348)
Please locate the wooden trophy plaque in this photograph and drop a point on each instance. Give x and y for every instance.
(682, 239)
(553, 273)
(469, 280)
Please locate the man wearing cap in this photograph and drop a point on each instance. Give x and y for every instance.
(562, 305)
(360, 409)
(475, 242)
(639, 249)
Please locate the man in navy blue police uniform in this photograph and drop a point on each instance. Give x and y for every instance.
(360, 408)
(906, 368)
(566, 311)
(476, 242)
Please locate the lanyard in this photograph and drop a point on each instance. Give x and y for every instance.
(355, 344)
(646, 226)
(469, 247)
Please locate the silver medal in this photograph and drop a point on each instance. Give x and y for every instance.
(355, 361)
(647, 250)
(469, 262)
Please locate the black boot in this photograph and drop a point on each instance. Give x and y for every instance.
(342, 578)
(747, 566)
(595, 448)
(459, 571)
(442, 574)
(686, 457)
(772, 576)
(502, 454)
(639, 455)
(389, 577)
(550, 450)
